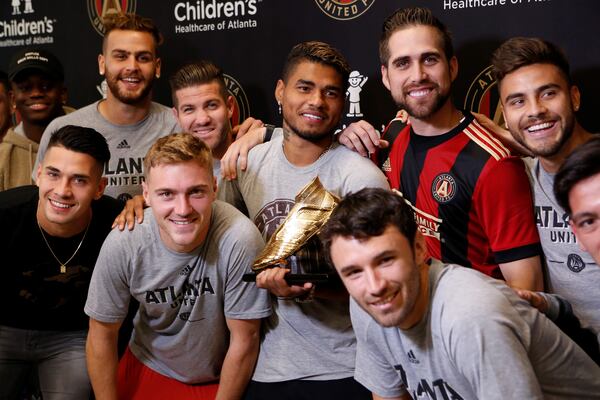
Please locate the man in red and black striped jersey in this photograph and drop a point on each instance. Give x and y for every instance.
(471, 198)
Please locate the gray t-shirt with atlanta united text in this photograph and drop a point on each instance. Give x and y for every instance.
(570, 271)
(312, 341)
(180, 328)
(477, 340)
(128, 144)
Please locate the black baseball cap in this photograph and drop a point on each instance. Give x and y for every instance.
(36, 59)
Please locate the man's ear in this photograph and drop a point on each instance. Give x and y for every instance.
(229, 103)
(575, 97)
(145, 193)
(101, 64)
(101, 187)
(384, 77)
(279, 91)
(420, 248)
(158, 67)
(453, 64)
(38, 174)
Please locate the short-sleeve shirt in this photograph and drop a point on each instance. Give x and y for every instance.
(180, 328)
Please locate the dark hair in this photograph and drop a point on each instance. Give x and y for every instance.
(130, 22)
(4, 80)
(82, 140)
(581, 164)
(367, 213)
(195, 74)
(317, 52)
(408, 17)
(520, 52)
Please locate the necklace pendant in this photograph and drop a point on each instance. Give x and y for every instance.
(63, 269)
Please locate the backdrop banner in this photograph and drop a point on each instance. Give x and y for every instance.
(249, 39)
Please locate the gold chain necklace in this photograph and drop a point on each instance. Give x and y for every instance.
(63, 265)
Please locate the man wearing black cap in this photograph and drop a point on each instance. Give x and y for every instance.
(5, 119)
(37, 94)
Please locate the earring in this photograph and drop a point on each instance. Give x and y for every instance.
(576, 107)
(279, 107)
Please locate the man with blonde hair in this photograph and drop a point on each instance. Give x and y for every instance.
(196, 333)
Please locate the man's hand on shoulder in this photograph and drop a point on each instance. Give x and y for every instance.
(503, 135)
(132, 213)
(246, 126)
(362, 137)
(238, 152)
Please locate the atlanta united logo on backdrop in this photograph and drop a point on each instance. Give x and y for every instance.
(241, 106)
(344, 9)
(99, 9)
(483, 97)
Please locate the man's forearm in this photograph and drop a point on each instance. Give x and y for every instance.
(102, 361)
(524, 274)
(238, 365)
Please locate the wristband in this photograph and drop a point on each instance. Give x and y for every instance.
(268, 132)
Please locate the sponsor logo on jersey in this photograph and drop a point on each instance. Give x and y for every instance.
(99, 9)
(483, 97)
(241, 106)
(443, 188)
(575, 262)
(344, 9)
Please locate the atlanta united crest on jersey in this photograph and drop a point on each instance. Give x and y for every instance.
(471, 198)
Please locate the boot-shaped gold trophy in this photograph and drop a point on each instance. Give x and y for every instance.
(311, 211)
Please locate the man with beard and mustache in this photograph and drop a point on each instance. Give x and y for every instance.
(37, 94)
(307, 350)
(128, 118)
(471, 198)
(539, 102)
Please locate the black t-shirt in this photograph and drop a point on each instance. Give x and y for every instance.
(33, 292)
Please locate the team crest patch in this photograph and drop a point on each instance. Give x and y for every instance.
(100, 9)
(483, 97)
(344, 9)
(443, 188)
(575, 262)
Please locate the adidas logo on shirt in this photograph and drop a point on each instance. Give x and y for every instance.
(123, 145)
(411, 357)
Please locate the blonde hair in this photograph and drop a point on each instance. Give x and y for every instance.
(177, 148)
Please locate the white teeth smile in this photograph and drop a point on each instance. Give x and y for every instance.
(131, 80)
(385, 300)
(419, 93)
(60, 205)
(181, 222)
(539, 127)
(312, 116)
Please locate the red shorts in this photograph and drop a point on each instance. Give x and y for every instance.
(135, 381)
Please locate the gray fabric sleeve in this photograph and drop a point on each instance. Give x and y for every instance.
(241, 296)
(109, 294)
(491, 352)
